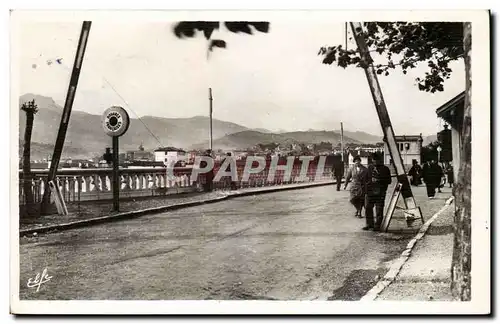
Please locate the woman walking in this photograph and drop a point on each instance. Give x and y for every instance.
(357, 192)
(415, 173)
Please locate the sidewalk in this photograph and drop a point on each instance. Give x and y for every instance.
(426, 273)
(98, 212)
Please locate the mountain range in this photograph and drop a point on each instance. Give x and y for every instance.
(85, 137)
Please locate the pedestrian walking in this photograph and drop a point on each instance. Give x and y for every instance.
(338, 170)
(442, 179)
(209, 176)
(377, 179)
(229, 182)
(450, 176)
(432, 174)
(357, 191)
(415, 173)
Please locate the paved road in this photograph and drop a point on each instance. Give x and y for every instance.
(303, 244)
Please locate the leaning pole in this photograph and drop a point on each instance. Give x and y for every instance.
(68, 105)
(412, 210)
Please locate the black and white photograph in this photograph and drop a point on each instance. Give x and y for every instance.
(231, 162)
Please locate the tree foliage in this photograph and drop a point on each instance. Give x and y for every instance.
(189, 28)
(403, 45)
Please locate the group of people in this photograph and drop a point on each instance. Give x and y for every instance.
(433, 176)
(368, 189)
(368, 184)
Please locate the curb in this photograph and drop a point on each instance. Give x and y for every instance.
(396, 267)
(142, 212)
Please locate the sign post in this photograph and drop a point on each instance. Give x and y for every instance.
(115, 122)
(342, 139)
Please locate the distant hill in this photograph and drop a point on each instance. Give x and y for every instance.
(86, 136)
(41, 151)
(363, 137)
(262, 130)
(243, 140)
(314, 137)
(429, 139)
(246, 139)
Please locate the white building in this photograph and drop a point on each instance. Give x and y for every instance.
(362, 154)
(169, 155)
(410, 148)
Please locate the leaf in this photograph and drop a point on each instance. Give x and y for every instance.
(216, 43)
(261, 26)
(238, 27)
(244, 26)
(189, 28)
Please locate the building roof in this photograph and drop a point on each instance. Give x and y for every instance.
(169, 149)
(360, 153)
(451, 104)
(447, 110)
(408, 138)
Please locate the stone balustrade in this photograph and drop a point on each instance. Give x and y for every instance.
(78, 185)
(95, 184)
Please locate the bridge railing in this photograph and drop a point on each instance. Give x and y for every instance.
(95, 184)
(77, 185)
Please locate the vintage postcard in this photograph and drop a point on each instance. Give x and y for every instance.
(250, 162)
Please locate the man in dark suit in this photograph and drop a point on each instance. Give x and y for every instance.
(378, 178)
(209, 176)
(338, 170)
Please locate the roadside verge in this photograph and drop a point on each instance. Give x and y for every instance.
(398, 264)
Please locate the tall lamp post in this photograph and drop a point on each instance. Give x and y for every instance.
(438, 149)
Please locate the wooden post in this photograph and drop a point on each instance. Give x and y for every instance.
(68, 105)
(210, 98)
(412, 211)
(342, 139)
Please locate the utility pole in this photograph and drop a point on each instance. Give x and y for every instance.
(68, 105)
(412, 210)
(342, 140)
(210, 98)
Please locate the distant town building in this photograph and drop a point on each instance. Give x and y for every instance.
(410, 148)
(364, 155)
(140, 155)
(169, 155)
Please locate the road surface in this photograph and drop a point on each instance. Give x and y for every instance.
(291, 245)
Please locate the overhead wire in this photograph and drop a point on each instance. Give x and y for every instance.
(59, 61)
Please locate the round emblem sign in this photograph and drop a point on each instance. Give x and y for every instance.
(115, 121)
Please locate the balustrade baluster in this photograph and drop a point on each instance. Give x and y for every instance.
(86, 180)
(79, 183)
(95, 182)
(71, 188)
(127, 182)
(104, 184)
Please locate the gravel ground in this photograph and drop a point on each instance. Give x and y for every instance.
(290, 245)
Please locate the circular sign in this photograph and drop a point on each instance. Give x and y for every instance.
(115, 121)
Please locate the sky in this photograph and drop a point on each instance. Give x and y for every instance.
(274, 81)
